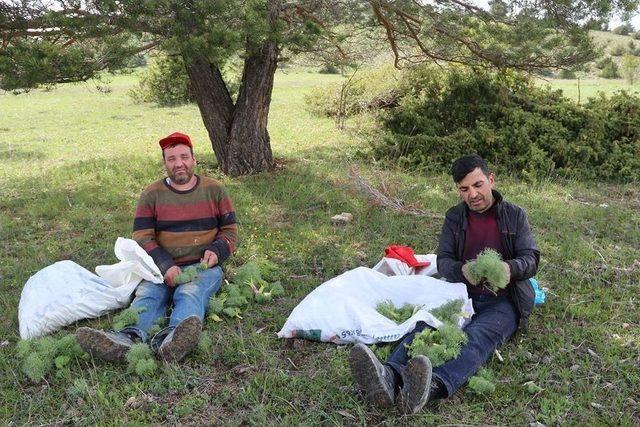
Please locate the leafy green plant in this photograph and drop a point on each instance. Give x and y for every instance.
(398, 315)
(483, 382)
(140, 360)
(40, 355)
(127, 317)
(448, 312)
(190, 273)
(439, 345)
(488, 266)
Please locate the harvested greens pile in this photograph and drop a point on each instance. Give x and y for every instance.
(443, 344)
(398, 315)
(251, 282)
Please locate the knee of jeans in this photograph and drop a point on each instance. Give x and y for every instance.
(145, 289)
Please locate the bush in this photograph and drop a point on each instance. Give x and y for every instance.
(518, 127)
(567, 74)
(623, 30)
(165, 82)
(366, 90)
(609, 69)
(619, 50)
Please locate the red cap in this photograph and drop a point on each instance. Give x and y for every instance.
(404, 254)
(175, 138)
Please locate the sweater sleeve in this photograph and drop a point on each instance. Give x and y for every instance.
(226, 239)
(144, 233)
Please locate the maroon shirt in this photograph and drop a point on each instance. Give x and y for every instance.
(482, 232)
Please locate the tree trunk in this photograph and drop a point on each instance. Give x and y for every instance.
(214, 102)
(238, 134)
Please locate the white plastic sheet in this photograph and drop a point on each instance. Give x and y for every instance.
(65, 292)
(343, 309)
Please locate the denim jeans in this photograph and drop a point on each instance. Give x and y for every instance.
(188, 299)
(494, 322)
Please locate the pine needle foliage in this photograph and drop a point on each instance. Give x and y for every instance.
(250, 284)
(189, 274)
(127, 317)
(438, 345)
(41, 355)
(448, 312)
(488, 266)
(483, 382)
(140, 360)
(398, 315)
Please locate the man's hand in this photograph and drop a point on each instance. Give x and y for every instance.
(466, 267)
(507, 273)
(170, 276)
(210, 258)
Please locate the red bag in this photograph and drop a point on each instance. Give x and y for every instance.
(404, 254)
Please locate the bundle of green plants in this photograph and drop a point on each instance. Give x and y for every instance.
(190, 273)
(439, 345)
(140, 360)
(127, 317)
(398, 315)
(488, 267)
(39, 356)
(448, 312)
(249, 284)
(483, 382)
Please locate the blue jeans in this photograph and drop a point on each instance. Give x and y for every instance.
(188, 299)
(494, 322)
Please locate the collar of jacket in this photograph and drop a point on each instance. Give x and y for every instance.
(497, 205)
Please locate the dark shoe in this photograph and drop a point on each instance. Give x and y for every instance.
(416, 384)
(181, 340)
(376, 380)
(107, 345)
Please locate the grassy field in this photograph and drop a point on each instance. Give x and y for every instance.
(75, 160)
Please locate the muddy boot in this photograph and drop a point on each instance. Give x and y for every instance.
(107, 345)
(180, 340)
(416, 383)
(376, 380)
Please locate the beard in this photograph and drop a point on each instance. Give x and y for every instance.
(181, 176)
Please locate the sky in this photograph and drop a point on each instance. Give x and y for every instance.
(616, 21)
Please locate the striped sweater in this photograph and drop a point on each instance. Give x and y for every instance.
(176, 227)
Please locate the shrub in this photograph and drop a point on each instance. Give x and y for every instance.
(624, 29)
(164, 82)
(567, 74)
(619, 50)
(366, 90)
(518, 127)
(610, 70)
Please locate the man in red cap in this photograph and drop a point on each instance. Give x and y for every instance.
(181, 220)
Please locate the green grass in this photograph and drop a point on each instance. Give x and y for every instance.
(75, 161)
(583, 89)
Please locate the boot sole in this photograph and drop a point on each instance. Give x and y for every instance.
(416, 379)
(369, 378)
(98, 344)
(185, 338)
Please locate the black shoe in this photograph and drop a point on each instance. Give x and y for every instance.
(375, 379)
(416, 385)
(181, 340)
(107, 345)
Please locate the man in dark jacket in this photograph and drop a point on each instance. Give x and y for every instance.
(482, 220)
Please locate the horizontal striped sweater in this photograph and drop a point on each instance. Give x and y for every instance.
(176, 227)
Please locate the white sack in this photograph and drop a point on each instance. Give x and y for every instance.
(65, 292)
(395, 267)
(343, 309)
(134, 266)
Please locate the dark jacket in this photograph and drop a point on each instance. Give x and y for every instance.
(521, 251)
